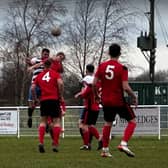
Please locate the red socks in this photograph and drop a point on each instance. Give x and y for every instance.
(41, 131)
(86, 137)
(106, 135)
(93, 131)
(129, 130)
(56, 134)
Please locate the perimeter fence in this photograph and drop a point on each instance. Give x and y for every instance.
(151, 120)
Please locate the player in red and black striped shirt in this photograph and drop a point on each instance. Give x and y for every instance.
(35, 67)
(114, 81)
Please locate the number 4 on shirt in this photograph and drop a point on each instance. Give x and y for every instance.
(46, 77)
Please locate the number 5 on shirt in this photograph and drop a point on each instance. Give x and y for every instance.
(109, 72)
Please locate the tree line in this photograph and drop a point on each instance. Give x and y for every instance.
(88, 27)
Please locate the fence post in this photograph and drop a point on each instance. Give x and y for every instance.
(159, 123)
(18, 122)
(63, 127)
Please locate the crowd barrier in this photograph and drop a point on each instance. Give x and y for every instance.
(151, 120)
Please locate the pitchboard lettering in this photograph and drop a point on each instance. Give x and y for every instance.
(147, 122)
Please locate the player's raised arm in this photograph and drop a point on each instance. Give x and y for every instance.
(31, 68)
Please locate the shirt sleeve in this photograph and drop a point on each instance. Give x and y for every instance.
(125, 74)
(97, 74)
(35, 81)
(33, 60)
(85, 92)
(57, 75)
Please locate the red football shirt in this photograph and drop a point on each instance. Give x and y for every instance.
(88, 95)
(47, 81)
(112, 74)
(57, 66)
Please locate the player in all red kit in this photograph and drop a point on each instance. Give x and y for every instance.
(91, 111)
(57, 62)
(114, 81)
(57, 67)
(51, 86)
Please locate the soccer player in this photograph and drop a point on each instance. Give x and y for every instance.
(57, 62)
(91, 111)
(57, 67)
(114, 81)
(35, 67)
(51, 86)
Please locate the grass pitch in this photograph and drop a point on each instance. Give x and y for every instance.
(23, 153)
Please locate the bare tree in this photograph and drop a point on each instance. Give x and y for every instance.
(81, 36)
(28, 28)
(114, 24)
(95, 26)
(30, 21)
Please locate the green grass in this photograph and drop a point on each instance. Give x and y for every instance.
(23, 153)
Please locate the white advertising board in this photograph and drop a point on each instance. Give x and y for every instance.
(8, 122)
(147, 120)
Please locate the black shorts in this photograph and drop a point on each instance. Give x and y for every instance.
(125, 112)
(50, 108)
(90, 117)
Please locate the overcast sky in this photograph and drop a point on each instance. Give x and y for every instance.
(141, 6)
(161, 22)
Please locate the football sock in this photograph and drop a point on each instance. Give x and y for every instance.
(86, 137)
(41, 134)
(30, 111)
(106, 136)
(56, 134)
(129, 131)
(93, 131)
(90, 138)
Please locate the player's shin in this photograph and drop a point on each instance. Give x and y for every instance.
(56, 134)
(129, 131)
(30, 112)
(41, 131)
(106, 135)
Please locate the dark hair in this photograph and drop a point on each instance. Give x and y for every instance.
(90, 68)
(114, 50)
(45, 50)
(47, 63)
(61, 53)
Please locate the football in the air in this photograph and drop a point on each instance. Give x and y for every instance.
(56, 31)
